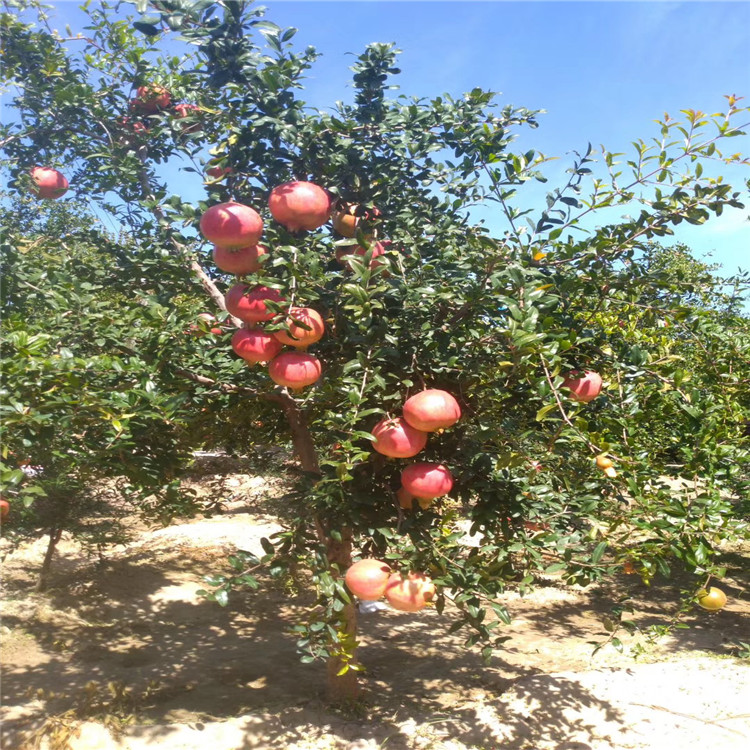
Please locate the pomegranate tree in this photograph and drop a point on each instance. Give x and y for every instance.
(476, 316)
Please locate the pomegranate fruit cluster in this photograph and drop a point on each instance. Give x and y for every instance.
(371, 580)
(432, 410)
(236, 229)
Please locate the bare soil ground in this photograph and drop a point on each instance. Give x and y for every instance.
(127, 656)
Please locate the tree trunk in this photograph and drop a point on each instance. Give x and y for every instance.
(301, 437)
(345, 687)
(54, 538)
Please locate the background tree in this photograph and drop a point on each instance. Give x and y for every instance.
(496, 319)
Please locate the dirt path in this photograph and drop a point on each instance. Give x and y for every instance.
(134, 639)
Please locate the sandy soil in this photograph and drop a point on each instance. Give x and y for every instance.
(127, 656)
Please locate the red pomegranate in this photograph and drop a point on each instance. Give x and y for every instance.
(301, 336)
(250, 306)
(5, 509)
(231, 225)
(345, 252)
(192, 111)
(585, 386)
(295, 370)
(300, 205)
(150, 99)
(219, 171)
(255, 345)
(367, 579)
(49, 183)
(242, 261)
(397, 438)
(431, 410)
(426, 481)
(409, 594)
(346, 219)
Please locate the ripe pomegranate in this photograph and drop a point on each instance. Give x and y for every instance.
(367, 579)
(397, 438)
(250, 306)
(426, 481)
(409, 594)
(151, 99)
(295, 370)
(219, 171)
(192, 111)
(628, 567)
(5, 510)
(345, 252)
(583, 387)
(345, 219)
(405, 499)
(49, 183)
(241, 261)
(297, 335)
(300, 205)
(604, 463)
(255, 345)
(231, 225)
(432, 410)
(713, 600)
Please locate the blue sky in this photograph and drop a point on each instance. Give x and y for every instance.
(603, 71)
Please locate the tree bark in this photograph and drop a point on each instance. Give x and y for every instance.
(54, 537)
(301, 437)
(345, 687)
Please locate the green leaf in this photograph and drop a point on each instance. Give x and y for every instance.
(598, 552)
(544, 411)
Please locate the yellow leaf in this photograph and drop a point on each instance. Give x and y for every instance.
(540, 256)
